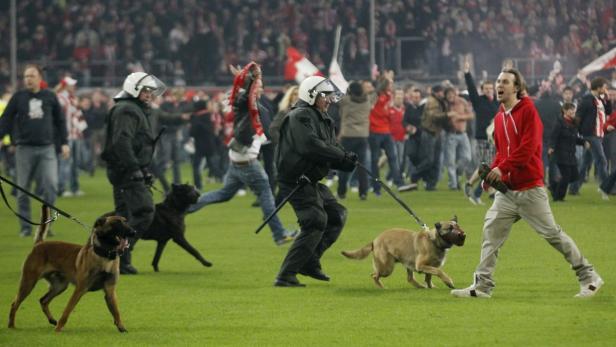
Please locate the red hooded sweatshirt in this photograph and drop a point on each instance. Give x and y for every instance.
(518, 139)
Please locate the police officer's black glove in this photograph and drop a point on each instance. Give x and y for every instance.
(303, 180)
(351, 157)
(148, 178)
(349, 162)
(136, 176)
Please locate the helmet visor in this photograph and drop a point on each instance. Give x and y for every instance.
(328, 90)
(153, 84)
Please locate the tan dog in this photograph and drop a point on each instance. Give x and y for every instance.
(90, 267)
(422, 252)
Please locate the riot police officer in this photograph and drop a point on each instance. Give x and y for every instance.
(128, 152)
(307, 150)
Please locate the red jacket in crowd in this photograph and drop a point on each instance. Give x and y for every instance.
(518, 139)
(396, 114)
(379, 115)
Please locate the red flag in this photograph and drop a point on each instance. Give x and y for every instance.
(606, 61)
(298, 67)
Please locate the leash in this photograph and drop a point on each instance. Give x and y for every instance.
(393, 195)
(51, 206)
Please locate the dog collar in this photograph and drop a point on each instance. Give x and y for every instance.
(105, 253)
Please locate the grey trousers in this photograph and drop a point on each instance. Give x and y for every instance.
(531, 205)
(38, 164)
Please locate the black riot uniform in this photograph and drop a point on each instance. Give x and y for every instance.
(128, 152)
(308, 149)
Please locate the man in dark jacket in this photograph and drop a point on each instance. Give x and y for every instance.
(129, 147)
(561, 147)
(306, 152)
(485, 107)
(591, 116)
(34, 119)
(549, 110)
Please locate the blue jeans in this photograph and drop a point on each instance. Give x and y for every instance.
(68, 170)
(386, 142)
(358, 145)
(38, 164)
(457, 155)
(238, 176)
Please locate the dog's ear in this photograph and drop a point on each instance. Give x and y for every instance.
(100, 221)
(455, 218)
(438, 226)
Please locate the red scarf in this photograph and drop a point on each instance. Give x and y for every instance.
(238, 83)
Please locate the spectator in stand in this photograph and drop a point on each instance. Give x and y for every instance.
(34, 119)
(68, 177)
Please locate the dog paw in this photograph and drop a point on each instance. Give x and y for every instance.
(53, 321)
(450, 285)
(122, 329)
(207, 263)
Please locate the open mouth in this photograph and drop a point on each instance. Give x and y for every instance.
(122, 243)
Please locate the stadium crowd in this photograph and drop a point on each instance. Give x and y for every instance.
(421, 131)
(193, 41)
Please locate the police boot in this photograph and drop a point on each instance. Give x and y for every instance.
(126, 268)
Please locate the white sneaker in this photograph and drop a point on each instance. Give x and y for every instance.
(470, 292)
(604, 195)
(241, 192)
(80, 193)
(590, 289)
(67, 194)
(329, 182)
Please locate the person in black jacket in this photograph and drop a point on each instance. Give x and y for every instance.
(34, 119)
(485, 107)
(561, 147)
(550, 112)
(202, 130)
(307, 150)
(591, 115)
(129, 147)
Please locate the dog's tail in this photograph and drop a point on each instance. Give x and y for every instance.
(359, 253)
(43, 228)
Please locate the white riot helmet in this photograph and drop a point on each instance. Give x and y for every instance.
(137, 81)
(314, 86)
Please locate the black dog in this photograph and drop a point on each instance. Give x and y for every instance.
(169, 224)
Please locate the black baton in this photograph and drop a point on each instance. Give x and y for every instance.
(302, 181)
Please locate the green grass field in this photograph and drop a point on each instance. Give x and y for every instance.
(234, 302)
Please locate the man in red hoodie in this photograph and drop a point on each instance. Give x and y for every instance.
(518, 163)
